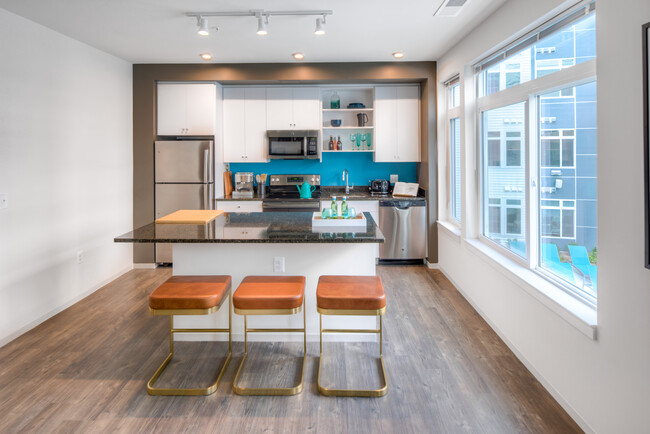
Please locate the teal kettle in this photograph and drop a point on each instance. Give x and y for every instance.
(305, 190)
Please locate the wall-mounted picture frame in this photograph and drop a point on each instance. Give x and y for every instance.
(646, 135)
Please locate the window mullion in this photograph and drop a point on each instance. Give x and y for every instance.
(533, 181)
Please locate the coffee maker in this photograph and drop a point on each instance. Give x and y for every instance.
(243, 185)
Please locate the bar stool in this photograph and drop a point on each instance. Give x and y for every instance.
(351, 295)
(270, 295)
(190, 295)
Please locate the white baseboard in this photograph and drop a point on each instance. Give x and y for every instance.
(145, 266)
(547, 385)
(433, 266)
(11, 336)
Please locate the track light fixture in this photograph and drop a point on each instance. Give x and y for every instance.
(320, 29)
(262, 21)
(262, 18)
(203, 26)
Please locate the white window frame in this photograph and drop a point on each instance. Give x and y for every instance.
(454, 112)
(529, 92)
(561, 207)
(561, 137)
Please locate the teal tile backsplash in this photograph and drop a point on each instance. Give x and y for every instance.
(361, 167)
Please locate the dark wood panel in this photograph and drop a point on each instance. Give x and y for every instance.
(86, 369)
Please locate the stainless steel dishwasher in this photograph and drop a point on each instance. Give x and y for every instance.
(404, 225)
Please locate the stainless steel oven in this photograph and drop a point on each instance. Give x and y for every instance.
(293, 144)
(283, 195)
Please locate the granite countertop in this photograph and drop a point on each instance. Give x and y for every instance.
(256, 227)
(356, 193)
(360, 193)
(230, 198)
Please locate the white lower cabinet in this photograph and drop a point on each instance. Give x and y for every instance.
(239, 205)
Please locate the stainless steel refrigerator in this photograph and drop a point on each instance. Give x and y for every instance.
(184, 179)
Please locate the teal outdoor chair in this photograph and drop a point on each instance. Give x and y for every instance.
(551, 260)
(580, 261)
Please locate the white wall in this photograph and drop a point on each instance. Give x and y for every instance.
(66, 164)
(605, 383)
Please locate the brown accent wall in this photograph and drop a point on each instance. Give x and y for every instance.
(144, 110)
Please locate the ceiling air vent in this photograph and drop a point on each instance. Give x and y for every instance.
(450, 8)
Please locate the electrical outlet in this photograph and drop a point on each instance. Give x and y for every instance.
(4, 200)
(278, 264)
(394, 179)
(80, 257)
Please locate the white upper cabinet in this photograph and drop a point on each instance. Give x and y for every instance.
(244, 124)
(397, 123)
(289, 108)
(186, 109)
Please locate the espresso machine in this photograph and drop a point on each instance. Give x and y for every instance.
(243, 185)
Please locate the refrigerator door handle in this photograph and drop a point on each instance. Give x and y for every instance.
(206, 160)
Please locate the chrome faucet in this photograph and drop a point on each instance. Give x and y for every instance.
(346, 177)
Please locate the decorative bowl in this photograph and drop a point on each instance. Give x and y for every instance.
(335, 122)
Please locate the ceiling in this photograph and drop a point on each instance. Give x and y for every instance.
(157, 31)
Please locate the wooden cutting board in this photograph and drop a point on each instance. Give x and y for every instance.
(191, 216)
(227, 183)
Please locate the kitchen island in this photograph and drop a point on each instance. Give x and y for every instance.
(271, 243)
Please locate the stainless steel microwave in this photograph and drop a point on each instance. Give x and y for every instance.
(293, 144)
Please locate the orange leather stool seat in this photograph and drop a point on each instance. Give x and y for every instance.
(190, 292)
(269, 292)
(350, 293)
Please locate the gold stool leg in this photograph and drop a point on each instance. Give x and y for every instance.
(271, 391)
(366, 393)
(167, 391)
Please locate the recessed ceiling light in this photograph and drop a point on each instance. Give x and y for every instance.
(203, 27)
(298, 56)
(398, 55)
(206, 56)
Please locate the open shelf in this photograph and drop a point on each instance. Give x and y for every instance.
(349, 110)
(347, 95)
(350, 150)
(347, 128)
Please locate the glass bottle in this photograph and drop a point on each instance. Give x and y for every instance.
(330, 145)
(335, 101)
(344, 207)
(334, 207)
(340, 144)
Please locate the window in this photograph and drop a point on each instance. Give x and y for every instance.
(539, 152)
(505, 182)
(453, 123)
(513, 148)
(494, 216)
(454, 95)
(494, 148)
(557, 147)
(550, 50)
(558, 218)
(454, 145)
(568, 181)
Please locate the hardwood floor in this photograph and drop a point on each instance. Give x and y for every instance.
(85, 370)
